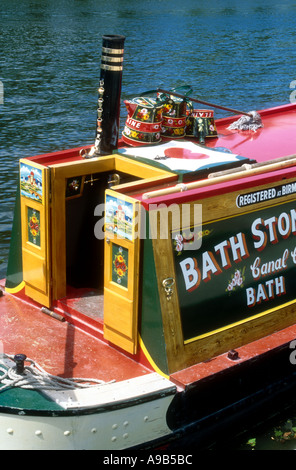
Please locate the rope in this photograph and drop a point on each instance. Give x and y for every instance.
(247, 123)
(34, 377)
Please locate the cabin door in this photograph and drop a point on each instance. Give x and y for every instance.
(35, 211)
(121, 279)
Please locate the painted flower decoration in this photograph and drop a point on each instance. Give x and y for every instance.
(120, 267)
(143, 114)
(179, 245)
(181, 242)
(178, 131)
(34, 226)
(158, 115)
(167, 108)
(237, 280)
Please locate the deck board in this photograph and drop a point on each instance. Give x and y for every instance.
(60, 347)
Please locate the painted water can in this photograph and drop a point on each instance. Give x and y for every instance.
(143, 123)
(200, 123)
(174, 115)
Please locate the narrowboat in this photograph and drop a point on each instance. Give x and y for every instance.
(150, 295)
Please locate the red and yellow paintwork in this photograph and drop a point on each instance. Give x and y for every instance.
(25, 328)
(77, 346)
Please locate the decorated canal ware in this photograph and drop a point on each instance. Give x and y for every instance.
(144, 121)
(174, 114)
(108, 111)
(200, 123)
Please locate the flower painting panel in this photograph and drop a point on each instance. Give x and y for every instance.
(120, 265)
(34, 226)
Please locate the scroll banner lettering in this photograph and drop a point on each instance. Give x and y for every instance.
(246, 265)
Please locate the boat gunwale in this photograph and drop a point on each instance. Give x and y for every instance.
(95, 409)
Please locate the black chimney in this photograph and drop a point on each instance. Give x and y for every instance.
(108, 112)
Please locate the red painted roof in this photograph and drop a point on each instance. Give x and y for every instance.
(276, 139)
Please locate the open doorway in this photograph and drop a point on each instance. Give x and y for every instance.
(78, 273)
(84, 251)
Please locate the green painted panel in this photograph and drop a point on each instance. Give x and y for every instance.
(24, 399)
(151, 327)
(245, 266)
(14, 275)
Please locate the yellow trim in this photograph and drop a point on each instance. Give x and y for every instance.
(241, 322)
(14, 290)
(150, 360)
(251, 211)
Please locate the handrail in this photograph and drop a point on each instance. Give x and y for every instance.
(244, 171)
